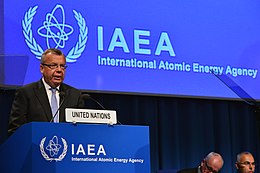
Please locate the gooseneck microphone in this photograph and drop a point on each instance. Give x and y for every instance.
(87, 96)
(62, 98)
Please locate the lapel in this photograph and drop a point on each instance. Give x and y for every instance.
(41, 95)
(64, 89)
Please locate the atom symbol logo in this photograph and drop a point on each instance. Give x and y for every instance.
(54, 29)
(53, 146)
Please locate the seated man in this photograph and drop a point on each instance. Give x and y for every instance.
(212, 163)
(245, 163)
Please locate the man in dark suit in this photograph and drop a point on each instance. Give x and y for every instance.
(212, 163)
(33, 102)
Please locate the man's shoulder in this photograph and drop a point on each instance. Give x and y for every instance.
(66, 87)
(31, 85)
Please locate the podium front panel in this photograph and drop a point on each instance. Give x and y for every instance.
(66, 148)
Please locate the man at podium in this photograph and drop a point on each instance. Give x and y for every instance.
(46, 99)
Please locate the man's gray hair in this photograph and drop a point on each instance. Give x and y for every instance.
(213, 154)
(51, 50)
(239, 155)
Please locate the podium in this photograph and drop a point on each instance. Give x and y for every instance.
(41, 147)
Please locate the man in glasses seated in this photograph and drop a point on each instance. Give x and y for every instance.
(245, 163)
(212, 163)
(46, 99)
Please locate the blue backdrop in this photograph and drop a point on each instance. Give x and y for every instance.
(167, 47)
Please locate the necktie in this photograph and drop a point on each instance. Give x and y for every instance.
(54, 105)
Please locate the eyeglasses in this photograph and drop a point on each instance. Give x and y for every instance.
(247, 163)
(210, 169)
(55, 66)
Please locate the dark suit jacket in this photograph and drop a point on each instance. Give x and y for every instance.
(31, 104)
(189, 170)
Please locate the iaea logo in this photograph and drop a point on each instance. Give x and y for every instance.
(55, 31)
(53, 149)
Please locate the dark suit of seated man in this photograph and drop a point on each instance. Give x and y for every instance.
(212, 163)
(33, 102)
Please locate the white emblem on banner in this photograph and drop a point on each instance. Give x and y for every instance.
(49, 31)
(53, 149)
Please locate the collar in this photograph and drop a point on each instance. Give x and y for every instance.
(47, 86)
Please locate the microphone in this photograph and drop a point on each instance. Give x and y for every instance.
(87, 96)
(62, 98)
